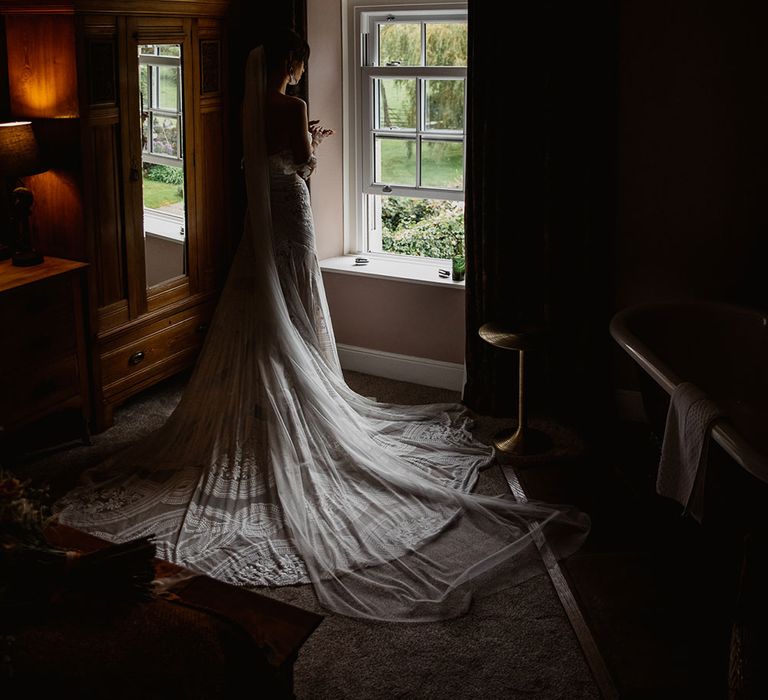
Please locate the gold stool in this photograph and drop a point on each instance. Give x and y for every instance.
(522, 440)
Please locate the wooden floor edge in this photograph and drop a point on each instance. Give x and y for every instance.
(591, 651)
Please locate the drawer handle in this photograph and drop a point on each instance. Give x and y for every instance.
(202, 328)
(136, 358)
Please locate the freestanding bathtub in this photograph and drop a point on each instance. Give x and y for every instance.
(722, 349)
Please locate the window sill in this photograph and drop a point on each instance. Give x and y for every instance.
(399, 270)
(162, 225)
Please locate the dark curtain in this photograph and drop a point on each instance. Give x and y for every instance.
(249, 24)
(541, 127)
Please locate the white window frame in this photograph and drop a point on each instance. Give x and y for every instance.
(152, 62)
(358, 22)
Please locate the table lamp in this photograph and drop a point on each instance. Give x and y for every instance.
(20, 156)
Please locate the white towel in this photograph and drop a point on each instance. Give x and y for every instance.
(682, 469)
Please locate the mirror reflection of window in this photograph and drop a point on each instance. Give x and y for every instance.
(162, 161)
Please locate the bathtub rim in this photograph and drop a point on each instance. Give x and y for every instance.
(723, 432)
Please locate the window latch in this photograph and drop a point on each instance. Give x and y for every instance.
(386, 189)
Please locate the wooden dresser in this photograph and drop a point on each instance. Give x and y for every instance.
(43, 347)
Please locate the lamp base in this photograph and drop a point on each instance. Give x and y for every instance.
(26, 258)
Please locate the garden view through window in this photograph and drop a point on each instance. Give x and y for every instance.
(415, 88)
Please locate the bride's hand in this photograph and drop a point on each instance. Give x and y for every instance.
(318, 132)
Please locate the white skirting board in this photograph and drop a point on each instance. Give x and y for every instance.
(405, 368)
(446, 375)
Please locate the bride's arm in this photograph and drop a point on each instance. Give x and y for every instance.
(299, 127)
(304, 148)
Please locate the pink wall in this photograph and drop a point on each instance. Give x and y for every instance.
(325, 104)
(409, 319)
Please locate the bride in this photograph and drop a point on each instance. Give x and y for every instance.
(272, 471)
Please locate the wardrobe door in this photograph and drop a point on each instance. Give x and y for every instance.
(211, 247)
(159, 169)
(102, 156)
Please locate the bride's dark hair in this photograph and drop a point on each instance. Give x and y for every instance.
(283, 47)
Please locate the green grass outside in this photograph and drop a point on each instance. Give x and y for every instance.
(160, 194)
(398, 164)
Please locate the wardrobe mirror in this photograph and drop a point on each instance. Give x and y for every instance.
(162, 161)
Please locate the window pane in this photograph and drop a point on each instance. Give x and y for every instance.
(144, 87)
(442, 164)
(396, 161)
(400, 44)
(165, 136)
(170, 50)
(168, 97)
(445, 105)
(145, 120)
(147, 50)
(397, 104)
(428, 227)
(447, 44)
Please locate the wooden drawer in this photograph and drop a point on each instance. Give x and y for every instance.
(153, 348)
(30, 344)
(38, 388)
(39, 325)
(30, 306)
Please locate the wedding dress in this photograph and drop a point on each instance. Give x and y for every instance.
(272, 471)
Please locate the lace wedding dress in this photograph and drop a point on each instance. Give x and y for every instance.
(272, 471)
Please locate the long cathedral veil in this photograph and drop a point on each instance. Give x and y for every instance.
(271, 470)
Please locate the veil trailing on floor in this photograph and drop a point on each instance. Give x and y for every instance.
(272, 471)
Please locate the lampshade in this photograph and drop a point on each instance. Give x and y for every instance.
(19, 154)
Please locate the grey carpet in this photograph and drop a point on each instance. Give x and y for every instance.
(515, 644)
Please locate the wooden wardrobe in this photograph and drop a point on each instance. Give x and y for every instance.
(119, 91)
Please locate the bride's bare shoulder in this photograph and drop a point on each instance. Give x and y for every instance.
(286, 101)
(295, 104)
(287, 107)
